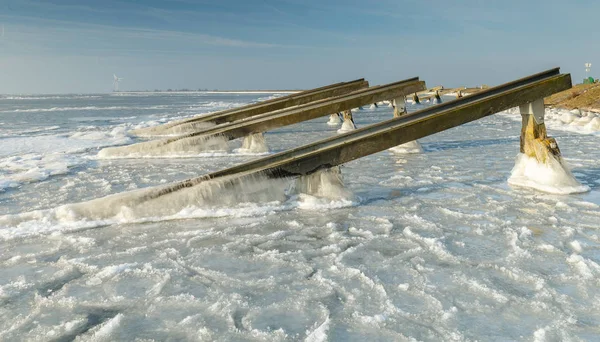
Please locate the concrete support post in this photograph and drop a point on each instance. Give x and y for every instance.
(534, 139)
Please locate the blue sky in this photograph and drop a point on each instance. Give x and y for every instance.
(57, 46)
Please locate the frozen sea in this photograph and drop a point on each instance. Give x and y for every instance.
(434, 246)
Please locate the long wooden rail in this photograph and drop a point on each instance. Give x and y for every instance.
(371, 139)
(238, 113)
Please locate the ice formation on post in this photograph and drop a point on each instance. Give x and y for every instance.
(411, 146)
(254, 143)
(436, 98)
(334, 120)
(348, 124)
(189, 146)
(173, 128)
(539, 164)
(205, 198)
(326, 183)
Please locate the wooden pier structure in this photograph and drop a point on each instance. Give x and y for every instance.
(284, 117)
(527, 93)
(268, 121)
(239, 113)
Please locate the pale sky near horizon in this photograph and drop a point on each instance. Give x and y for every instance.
(75, 46)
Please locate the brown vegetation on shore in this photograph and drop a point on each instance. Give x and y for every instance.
(581, 96)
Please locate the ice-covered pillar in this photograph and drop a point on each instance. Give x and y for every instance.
(334, 119)
(348, 124)
(416, 99)
(534, 139)
(437, 98)
(348, 115)
(411, 146)
(399, 106)
(255, 143)
(540, 164)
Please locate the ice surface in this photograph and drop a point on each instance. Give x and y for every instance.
(576, 120)
(426, 246)
(28, 168)
(79, 109)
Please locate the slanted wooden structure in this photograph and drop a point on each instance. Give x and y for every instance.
(527, 93)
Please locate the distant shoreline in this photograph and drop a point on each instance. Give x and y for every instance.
(268, 91)
(162, 92)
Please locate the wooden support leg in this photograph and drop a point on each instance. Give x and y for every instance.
(534, 139)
